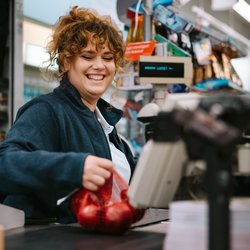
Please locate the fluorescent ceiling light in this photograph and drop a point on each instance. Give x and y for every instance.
(243, 8)
(222, 4)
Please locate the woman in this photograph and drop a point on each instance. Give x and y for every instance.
(67, 139)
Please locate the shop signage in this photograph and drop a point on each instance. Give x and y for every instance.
(137, 49)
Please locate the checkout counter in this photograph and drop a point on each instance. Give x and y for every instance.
(218, 138)
(147, 234)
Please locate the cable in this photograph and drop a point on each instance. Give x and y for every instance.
(136, 17)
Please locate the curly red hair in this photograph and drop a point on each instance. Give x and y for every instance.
(74, 30)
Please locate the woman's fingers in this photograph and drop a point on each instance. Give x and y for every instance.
(96, 171)
(90, 186)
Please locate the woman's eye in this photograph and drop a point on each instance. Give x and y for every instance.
(86, 57)
(92, 57)
(110, 58)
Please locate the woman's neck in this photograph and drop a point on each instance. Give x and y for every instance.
(90, 104)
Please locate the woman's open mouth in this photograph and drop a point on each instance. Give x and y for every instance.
(95, 77)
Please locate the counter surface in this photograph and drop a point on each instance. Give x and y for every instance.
(73, 237)
(148, 234)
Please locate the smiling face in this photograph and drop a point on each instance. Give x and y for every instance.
(91, 72)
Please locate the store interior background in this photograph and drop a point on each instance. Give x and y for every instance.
(31, 30)
(39, 16)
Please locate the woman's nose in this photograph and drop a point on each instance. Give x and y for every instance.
(98, 63)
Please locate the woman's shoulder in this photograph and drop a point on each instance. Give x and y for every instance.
(39, 103)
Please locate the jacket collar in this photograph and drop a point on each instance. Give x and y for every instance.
(109, 112)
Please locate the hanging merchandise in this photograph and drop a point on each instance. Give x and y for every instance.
(215, 84)
(171, 34)
(211, 52)
(131, 11)
(171, 20)
(213, 69)
(202, 50)
(221, 59)
(211, 56)
(170, 48)
(135, 33)
(135, 14)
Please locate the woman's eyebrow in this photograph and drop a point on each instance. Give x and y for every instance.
(108, 53)
(89, 51)
(95, 52)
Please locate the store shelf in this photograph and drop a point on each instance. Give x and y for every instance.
(136, 87)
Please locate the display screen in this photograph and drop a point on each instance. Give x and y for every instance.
(161, 69)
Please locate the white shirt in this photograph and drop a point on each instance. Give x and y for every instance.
(118, 157)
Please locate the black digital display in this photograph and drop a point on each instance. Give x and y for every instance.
(161, 69)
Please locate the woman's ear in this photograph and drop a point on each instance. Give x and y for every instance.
(66, 64)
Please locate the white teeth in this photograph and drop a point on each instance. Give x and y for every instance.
(96, 77)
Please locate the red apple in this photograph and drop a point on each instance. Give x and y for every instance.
(89, 216)
(117, 218)
(138, 213)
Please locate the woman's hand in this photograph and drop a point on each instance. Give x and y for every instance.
(95, 172)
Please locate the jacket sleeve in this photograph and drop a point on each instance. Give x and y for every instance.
(30, 160)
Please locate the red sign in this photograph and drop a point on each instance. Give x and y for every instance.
(135, 50)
